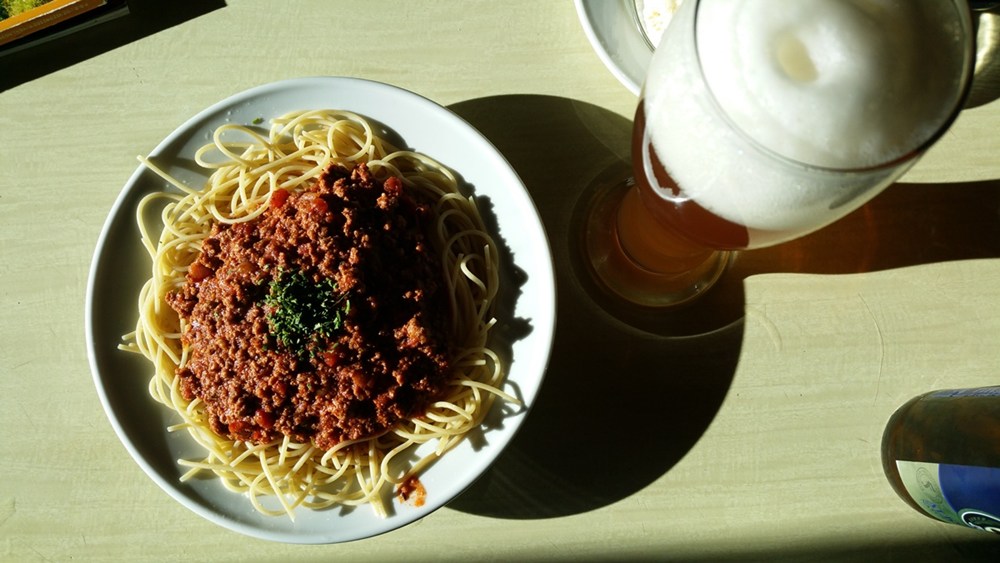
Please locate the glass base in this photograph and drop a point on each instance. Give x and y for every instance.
(618, 273)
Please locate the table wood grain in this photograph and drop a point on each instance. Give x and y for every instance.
(759, 441)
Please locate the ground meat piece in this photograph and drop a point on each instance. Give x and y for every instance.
(386, 361)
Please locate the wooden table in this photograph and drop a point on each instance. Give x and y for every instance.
(758, 441)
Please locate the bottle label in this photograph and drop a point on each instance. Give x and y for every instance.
(960, 494)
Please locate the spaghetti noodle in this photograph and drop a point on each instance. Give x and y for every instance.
(295, 152)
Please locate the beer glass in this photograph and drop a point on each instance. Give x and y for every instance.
(761, 121)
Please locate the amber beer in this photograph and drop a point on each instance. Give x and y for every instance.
(761, 121)
(756, 127)
(678, 216)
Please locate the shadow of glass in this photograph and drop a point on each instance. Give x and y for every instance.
(144, 18)
(906, 225)
(572, 455)
(973, 546)
(625, 398)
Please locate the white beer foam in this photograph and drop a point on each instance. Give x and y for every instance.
(838, 84)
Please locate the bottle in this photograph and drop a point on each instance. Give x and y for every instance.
(941, 454)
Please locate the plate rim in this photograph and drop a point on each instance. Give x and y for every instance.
(599, 33)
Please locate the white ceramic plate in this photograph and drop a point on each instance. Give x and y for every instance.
(121, 266)
(613, 31)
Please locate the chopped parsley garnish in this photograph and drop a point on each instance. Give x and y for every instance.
(301, 312)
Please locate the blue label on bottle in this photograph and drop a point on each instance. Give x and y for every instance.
(959, 494)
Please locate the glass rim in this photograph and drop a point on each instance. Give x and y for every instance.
(637, 19)
(964, 13)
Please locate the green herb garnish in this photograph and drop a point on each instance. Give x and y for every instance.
(301, 312)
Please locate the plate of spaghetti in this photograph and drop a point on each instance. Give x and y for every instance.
(320, 309)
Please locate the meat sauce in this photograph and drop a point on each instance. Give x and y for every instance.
(412, 490)
(359, 247)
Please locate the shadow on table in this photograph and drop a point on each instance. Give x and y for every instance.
(144, 18)
(622, 403)
(972, 545)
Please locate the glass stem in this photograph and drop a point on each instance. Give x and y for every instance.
(634, 257)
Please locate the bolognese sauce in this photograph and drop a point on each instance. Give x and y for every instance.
(322, 320)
